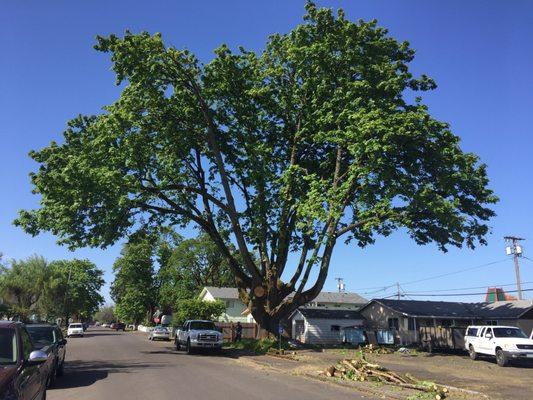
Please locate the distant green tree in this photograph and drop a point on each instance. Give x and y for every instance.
(134, 288)
(50, 290)
(191, 265)
(197, 309)
(105, 315)
(74, 289)
(22, 285)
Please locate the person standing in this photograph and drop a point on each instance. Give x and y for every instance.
(238, 332)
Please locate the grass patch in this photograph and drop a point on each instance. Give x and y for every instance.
(260, 346)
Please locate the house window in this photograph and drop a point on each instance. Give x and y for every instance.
(394, 323)
(446, 322)
(492, 322)
(229, 303)
(335, 328)
(411, 324)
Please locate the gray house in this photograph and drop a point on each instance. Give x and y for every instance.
(323, 326)
(405, 318)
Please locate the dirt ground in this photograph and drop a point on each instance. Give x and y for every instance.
(456, 370)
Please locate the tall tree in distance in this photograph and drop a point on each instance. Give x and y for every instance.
(74, 290)
(309, 143)
(191, 265)
(105, 314)
(134, 290)
(50, 290)
(22, 285)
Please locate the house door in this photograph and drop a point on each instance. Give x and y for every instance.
(299, 331)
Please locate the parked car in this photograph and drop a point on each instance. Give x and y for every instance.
(159, 332)
(198, 334)
(49, 338)
(504, 342)
(75, 329)
(119, 326)
(112, 325)
(23, 370)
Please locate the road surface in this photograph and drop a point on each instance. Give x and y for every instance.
(125, 365)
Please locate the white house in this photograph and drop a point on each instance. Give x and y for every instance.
(236, 310)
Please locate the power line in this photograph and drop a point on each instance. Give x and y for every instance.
(384, 288)
(468, 288)
(461, 294)
(455, 272)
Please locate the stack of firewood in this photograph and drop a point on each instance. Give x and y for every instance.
(362, 370)
(372, 349)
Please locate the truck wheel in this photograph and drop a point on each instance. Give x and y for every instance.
(472, 353)
(501, 359)
(189, 347)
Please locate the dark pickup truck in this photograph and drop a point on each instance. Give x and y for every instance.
(24, 371)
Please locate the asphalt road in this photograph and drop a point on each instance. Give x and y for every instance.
(106, 365)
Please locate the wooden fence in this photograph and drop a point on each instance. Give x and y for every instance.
(249, 330)
(442, 337)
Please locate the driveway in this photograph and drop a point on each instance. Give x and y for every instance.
(106, 364)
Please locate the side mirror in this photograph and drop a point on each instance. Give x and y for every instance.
(37, 357)
(488, 335)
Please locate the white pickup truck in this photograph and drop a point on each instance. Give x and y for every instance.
(198, 334)
(504, 342)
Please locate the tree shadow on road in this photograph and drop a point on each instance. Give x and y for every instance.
(84, 373)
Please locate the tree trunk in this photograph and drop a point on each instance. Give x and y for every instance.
(266, 321)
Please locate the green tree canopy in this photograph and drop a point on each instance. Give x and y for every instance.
(105, 315)
(51, 289)
(133, 289)
(197, 309)
(310, 142)
(191, 265)
(75, 289)
(22, 285)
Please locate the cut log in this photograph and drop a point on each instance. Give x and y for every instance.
(330, 371)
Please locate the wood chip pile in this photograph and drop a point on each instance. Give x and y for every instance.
(361, 370)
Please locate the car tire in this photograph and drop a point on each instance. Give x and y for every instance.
(472, 353)
(177, 344)
(61, 369)
(501, 358)
(189, 347)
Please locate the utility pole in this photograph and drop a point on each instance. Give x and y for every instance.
(515, 249)
(398, 290)
(340, 285)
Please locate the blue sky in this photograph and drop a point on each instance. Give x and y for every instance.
(479, 52)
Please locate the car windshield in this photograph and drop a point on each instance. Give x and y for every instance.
(202, 326)
(8, 347)
(161, 328)
(41, 336)
(75, 326)
(509, 332)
